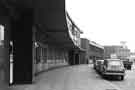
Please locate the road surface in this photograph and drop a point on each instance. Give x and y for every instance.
(79, 77)
(128, 83)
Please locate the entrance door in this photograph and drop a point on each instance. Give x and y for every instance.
(76, 58)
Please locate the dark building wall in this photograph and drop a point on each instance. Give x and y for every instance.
(91, 52)
(71, 57)
(84, 55)
(50, 14)
(83, 59)
(22, 46)
(97, 52)
(85, 43)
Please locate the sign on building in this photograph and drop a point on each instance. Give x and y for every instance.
(113, 56)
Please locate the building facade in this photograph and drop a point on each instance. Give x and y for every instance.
(119, 51)
(96, 51)
(93, 51)
(85, 46)
(41, 38)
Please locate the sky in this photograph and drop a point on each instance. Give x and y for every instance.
(107, 22)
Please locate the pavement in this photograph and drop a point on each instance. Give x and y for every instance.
(78, 77)
(133, 66)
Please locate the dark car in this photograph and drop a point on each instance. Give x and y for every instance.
(95, 64)
(114, 67)
(99, 66)
(127, 64)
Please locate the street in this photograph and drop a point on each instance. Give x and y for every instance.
(81, 77)
(128, 83)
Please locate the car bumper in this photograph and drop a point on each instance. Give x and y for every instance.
(109, 73)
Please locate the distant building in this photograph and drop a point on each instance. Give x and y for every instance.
(93, 51)
(85, 46)
(120, 51)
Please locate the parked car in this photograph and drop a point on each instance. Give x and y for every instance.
(113, 67)
(99, 67)
(127, 64)
(95, 64)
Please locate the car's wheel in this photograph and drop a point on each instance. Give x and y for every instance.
(104, 76)
(122, 77)
(129, 67)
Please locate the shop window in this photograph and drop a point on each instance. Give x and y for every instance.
(38, 52)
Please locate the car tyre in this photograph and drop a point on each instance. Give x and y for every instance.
(130, 68)
(122, 77)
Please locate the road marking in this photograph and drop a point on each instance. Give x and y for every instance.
(115, 87)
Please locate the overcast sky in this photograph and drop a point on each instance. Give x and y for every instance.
(106, 22)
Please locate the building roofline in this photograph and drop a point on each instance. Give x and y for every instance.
(96, 44)
(67, 14)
